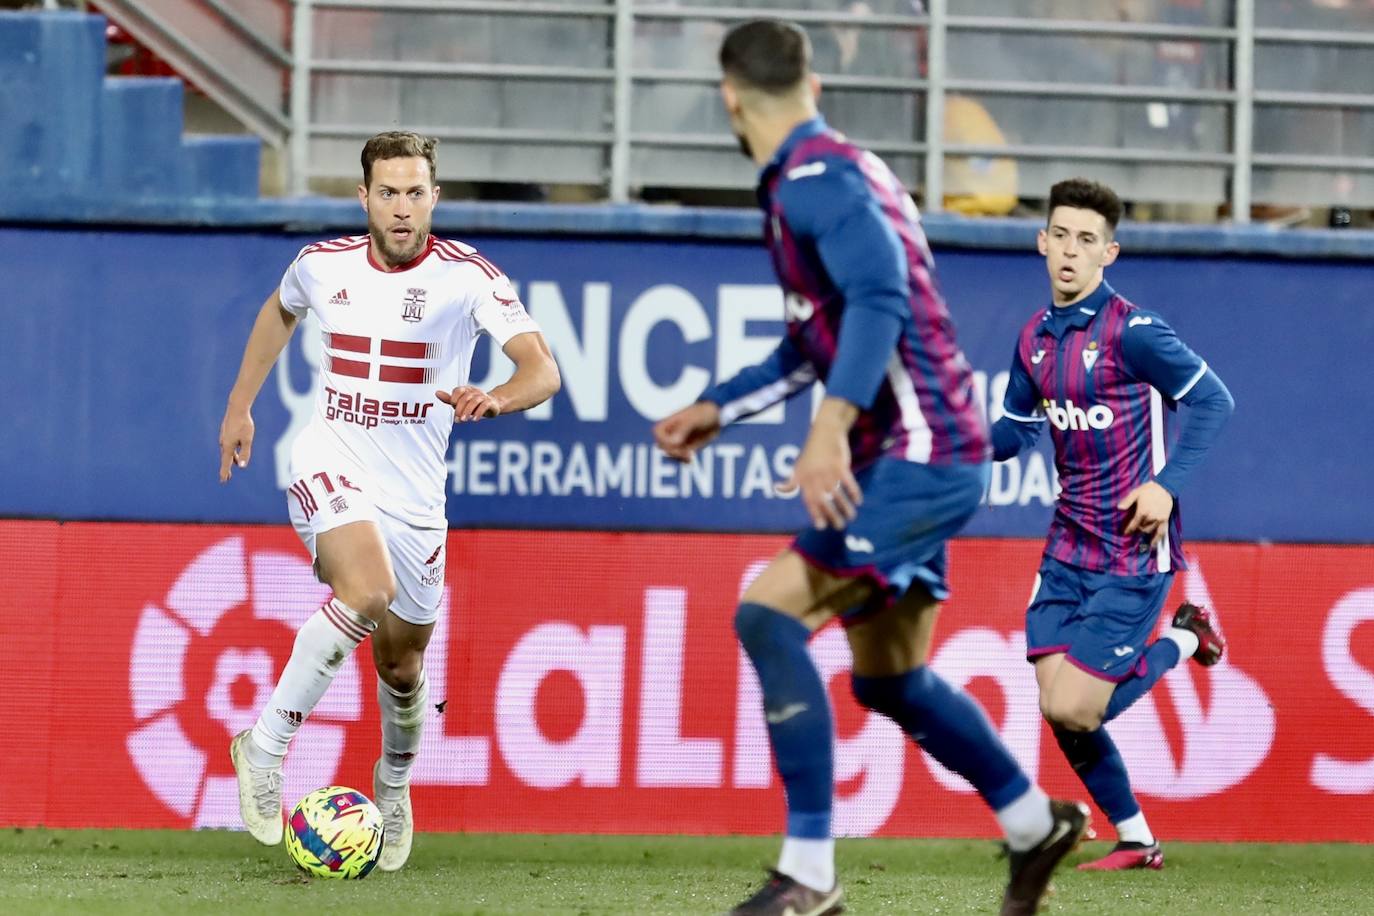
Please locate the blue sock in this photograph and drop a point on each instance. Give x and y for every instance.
(797, 706)
(950, 727)
(1162, 655)
(1094, 757)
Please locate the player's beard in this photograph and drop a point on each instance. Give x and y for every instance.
(744, 146)
(395, 255)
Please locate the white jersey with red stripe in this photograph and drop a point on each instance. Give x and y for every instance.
(391, 339)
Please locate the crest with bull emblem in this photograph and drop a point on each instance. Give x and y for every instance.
(413, 305)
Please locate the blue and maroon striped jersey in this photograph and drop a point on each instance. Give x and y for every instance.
(1107, 376)
(850, 254)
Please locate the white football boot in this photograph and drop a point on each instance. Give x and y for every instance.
(396, 818)
(259, 794)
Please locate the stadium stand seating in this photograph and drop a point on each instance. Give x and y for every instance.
(71, 130)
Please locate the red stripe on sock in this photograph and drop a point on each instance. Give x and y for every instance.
(334, 621)
(341, 622)
(350, 619)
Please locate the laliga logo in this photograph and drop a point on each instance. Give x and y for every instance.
(1071, 417)
(1224, 740)
(200, 671)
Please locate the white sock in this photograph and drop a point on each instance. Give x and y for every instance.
(403, 722)
(1134, 830)
(1027, 820)
(1186, 640)
(322, 645)
(809, 862)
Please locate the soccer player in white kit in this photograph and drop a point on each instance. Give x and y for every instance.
(400, 312)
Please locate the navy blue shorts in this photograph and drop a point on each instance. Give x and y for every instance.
(898, 538)
(1101, 621)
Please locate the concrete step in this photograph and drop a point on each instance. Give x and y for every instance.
(51, 67)
(222, 166)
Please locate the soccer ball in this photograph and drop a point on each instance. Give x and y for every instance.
(335, 832)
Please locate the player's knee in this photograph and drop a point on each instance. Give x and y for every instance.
(378, 600)
(877, 694)
(1072, 714)
(1045, 706)
(909, 695)
(370, 599)
(1079, 747)
(401, 674)
(755, 626)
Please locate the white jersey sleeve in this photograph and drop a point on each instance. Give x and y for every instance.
(294, 297)
(497, 310)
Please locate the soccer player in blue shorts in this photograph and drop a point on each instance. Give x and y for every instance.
(895, 464)
(1108, 377)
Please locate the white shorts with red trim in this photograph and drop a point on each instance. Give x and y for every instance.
(327, 493)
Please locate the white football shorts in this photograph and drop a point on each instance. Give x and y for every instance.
(326, 493)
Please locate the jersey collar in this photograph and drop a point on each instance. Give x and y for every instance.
(1079, 315)
(809, 128)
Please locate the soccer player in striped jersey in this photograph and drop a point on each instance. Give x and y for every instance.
(895, 465)
(400, 312)
(1108, 378)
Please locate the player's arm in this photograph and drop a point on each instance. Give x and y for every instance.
(751, 390)
(756, 388)
(1021, 421)
(497, 311)
(867, 263)
(271, 332)
(535, 380)
(1154, 354)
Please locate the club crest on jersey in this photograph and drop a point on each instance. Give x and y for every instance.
(1090, 356)
(413, 305)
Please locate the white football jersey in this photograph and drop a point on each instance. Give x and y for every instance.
(391, 339)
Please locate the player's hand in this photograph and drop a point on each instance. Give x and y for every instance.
(687, 430)
(235, 441)
(829, 491)
(469, 403)
(1147, 509)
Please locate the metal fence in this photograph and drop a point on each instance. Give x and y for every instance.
(1204, 102)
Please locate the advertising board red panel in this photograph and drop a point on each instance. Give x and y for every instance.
(590, 682)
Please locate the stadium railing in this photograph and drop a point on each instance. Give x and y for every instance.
(1226, 101)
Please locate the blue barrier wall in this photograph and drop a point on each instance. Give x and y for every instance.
(117, 349)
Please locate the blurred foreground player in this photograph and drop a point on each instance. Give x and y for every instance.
(1108, 377)
(895, 464)
(400, 311)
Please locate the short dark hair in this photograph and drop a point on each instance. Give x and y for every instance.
(766, 54)
(1085, 194)
(398, 144)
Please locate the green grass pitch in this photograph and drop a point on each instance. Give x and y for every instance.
(150, 872)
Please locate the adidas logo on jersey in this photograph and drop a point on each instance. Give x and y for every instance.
(340, 298)
(1072, 417)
